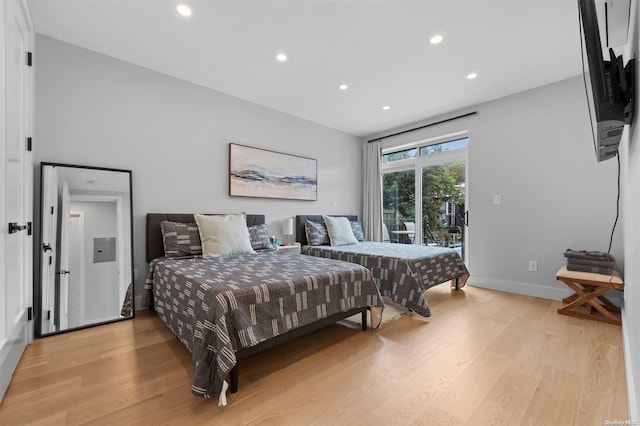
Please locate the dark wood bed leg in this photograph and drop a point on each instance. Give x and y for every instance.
(364, 320)
(233, 377)
(457, 283)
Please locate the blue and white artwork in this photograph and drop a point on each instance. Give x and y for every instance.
(255, 172)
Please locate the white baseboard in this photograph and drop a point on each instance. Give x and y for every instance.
(535, 290)
(632, 398)
(544, 292)
(10, 352)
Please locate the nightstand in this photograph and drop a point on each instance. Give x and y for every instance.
(293, 248)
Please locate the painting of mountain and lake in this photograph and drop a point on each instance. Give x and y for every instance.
(255, 172)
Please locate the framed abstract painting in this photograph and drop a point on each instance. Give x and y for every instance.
(255, 172)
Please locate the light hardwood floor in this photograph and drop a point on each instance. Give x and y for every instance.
(484, 357)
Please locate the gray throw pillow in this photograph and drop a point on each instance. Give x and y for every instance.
(259, 236)
(316, 233)
(180, 239)
(356, 227)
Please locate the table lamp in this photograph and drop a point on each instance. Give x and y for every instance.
(287, 230)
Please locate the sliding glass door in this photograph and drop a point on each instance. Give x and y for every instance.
(399, 206)
(444, 205)
(424, 190)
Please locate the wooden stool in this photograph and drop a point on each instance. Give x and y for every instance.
(589, 289)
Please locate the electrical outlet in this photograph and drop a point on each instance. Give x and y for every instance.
(497, 199)
(533, 266)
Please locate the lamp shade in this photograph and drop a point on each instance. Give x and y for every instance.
(287, 229)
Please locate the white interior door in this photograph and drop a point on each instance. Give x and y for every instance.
(49, 225)
(65, 210)
(76, 266)
(16, 187)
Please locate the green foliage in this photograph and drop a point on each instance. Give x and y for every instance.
(398, 193)
(440, 184)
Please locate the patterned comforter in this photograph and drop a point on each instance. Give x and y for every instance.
(216, 306)
(403, 272)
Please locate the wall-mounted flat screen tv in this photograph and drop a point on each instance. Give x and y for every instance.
(608, 84)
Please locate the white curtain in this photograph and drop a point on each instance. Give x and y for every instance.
(372, 198)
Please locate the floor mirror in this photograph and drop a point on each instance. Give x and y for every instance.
(86, 251)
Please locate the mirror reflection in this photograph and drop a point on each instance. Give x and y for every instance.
(86, 243)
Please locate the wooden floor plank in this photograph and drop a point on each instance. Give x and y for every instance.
(484, 357)
(507, 401)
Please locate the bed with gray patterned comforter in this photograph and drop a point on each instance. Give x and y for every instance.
(219, 305)
(403, 272)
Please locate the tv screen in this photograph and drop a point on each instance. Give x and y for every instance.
(606, 85)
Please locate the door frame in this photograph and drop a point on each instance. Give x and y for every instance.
(48, 231)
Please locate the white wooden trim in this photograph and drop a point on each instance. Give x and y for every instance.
(3, 336)
(11, 351)
(527, 289)
(632, 399)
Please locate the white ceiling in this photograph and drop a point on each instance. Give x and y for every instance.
(93, 180)
(380, 49)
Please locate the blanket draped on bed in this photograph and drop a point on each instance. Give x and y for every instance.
(216, 306)
(402, 272)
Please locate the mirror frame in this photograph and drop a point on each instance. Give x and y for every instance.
(38, 250)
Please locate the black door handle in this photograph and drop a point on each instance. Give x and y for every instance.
(46, 247)
(14, 227)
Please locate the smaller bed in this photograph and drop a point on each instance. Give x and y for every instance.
(403, 272)
(229, 307)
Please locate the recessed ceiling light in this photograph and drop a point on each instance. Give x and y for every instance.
(281, 57)
(386, 107)
(471, 75)
(436, 39)
(183, 9)
(343, 87)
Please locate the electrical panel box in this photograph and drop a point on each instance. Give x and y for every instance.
(104, 250)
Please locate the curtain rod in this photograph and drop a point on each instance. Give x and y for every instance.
(425, 126)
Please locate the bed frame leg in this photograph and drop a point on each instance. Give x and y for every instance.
(457, 283)
(234, 379)
(364, 320)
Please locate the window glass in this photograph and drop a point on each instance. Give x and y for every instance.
(445, 146)
(399, 205)
(400, 155)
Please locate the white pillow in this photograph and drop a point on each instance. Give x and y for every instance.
(223, 235)
(339, 230)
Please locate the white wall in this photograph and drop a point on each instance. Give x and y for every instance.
(630, 159)
(95, 110)
(535, 150)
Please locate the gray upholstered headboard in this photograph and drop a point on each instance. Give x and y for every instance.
(301, 235)
(155, 245)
